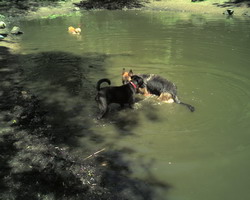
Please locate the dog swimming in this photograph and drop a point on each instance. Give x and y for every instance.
(157, 85)
(124, 94)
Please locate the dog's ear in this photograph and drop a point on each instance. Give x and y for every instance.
(123, 71)
(130, 73)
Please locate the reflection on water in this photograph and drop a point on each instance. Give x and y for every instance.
(203, 155)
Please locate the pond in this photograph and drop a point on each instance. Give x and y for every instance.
(201, 155)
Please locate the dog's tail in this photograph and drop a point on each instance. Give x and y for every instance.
(102, 81)
(176, 100)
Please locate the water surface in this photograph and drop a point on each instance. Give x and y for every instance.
(202, 155)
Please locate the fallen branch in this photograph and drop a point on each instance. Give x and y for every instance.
(94, 154)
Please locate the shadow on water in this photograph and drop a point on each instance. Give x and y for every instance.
(126, 122)
(46, 103)
(64, 91)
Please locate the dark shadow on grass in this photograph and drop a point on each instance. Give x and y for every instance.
(17, 7)
(236, 3)
(47, 104)
(110, 4)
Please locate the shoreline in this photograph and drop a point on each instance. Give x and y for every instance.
(30, 131)
(67, 8)
(214, 7)
(205, 7)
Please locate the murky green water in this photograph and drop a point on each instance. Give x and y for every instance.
(202, 155)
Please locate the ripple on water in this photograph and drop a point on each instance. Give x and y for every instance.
(222, 98)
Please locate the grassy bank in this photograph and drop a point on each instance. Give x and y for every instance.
(203, 7)
(38, 9)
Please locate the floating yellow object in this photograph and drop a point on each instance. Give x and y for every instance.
(73, 30)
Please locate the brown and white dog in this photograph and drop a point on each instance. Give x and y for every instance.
(156, 85)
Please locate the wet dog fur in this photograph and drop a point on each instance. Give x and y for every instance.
(124, 94)
(157, 85)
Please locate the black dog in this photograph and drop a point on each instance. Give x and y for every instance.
(124, 94)
(156, 85)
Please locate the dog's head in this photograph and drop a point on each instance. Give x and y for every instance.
(78, 30)
(138, 81)
(126, 76)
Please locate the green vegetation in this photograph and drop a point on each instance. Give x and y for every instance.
(19, 7)
(111, 4)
